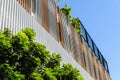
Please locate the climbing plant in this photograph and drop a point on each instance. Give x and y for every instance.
(67, 11)
(74, 21)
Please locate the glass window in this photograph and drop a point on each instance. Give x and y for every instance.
(106, 66)
(90, 42)
(102, 60)
(96, 51)
(100, 57)
(83, 33)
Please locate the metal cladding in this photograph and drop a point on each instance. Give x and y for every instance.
(53, 30)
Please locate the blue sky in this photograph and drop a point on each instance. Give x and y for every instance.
(101, 18)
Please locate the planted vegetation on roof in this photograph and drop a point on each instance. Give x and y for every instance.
(74, 21)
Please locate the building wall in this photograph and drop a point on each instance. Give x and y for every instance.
(53, 30)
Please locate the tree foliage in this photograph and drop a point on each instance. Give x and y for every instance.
(21, 58)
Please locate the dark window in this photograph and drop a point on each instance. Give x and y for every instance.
(90, 43)
(103, 61)
(100, 57)
(106, 66)
(83, 33)
(96, 51)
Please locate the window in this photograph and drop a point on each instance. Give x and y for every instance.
(83, 33)
(103, 61)
(100, 57)
(106, 67)
(96, 51)
(90, 43)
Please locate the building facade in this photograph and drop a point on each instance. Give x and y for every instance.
(53, 30)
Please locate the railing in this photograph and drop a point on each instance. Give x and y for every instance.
(94, 48)
(87, 39)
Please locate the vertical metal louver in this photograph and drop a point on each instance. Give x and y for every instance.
(15, 17)
(52, 18)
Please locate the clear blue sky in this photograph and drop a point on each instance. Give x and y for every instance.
(101, 18)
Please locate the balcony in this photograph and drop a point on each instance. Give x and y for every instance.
(94, 48)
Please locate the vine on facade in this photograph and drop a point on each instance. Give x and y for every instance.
(74, 21)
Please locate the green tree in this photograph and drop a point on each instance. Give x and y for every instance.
(21, 58)
(70, 73)
(7, 73)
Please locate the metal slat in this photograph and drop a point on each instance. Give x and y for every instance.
(17, 18)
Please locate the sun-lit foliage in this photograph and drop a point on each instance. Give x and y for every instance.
(21, 58)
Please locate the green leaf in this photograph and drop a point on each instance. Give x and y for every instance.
(7, 72)
(36, 76)
(30, 33)
(49, 74)
(20, 41)
(5, 42)
(23, 59)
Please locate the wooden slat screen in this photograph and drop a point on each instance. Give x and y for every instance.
(25, 4)
(60, 28)
(45, 14)
(74, 43)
